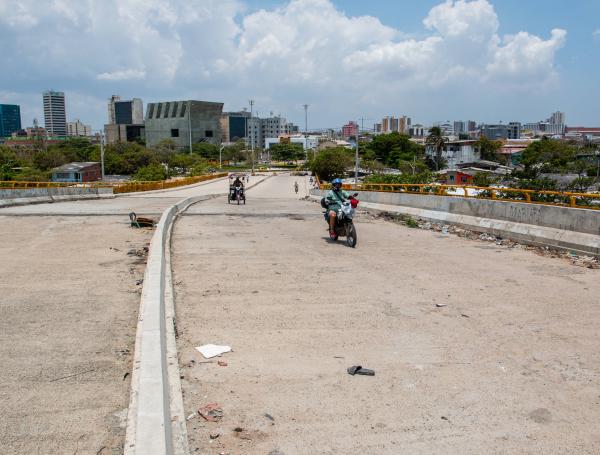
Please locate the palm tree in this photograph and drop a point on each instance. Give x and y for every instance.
(436, 140)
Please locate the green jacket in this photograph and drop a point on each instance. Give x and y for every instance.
(335, 199)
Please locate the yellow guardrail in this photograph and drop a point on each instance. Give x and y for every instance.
(118, 187)
(558, 198)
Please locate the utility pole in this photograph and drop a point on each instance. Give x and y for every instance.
(102, 153)
(252, 136)
(356, 160)
(189, 111)
(306, 130)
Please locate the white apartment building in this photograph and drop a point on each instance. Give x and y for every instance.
(272, 127)
(456, 152)
(308, 142)
(78, 128)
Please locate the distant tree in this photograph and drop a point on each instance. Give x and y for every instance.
(488, 150)
(581, 184)
(125, 158)
(484, 179)
(550, 155)
(331, 163)
(51, 158)
(76, 148)
(30, 174)
(437, 141)
(206, 150)
(200, 167)
(412, 167)
(391, 148)
(286, 152)
(151, 172)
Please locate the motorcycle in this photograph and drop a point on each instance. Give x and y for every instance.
(236, 193)
(344, 224)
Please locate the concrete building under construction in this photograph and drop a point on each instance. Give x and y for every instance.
(184, 122)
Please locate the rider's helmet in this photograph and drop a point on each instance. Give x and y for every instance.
(337, 183)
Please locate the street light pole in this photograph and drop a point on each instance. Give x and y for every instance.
(102, 152)
(189, 111)
(252, 136)
(306, 130)
(220, 156)
(356, 159)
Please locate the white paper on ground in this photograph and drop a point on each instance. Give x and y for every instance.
(212, 350)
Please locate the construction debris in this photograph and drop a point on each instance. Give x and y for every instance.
(211, 412)
(357, 369)
(577, 260)
(212, 350)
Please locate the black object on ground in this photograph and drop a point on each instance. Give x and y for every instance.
(139, 222)
(357, 369)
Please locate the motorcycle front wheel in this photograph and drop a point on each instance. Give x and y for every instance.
(351, 235)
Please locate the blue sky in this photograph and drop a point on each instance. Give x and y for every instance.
(486, 60)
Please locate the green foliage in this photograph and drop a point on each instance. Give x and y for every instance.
(200, 167)
(549, 155)
(287, 152)
(391, 148)
(485, 179)
(8, 161)
(437, 141)
(413, 167)
(488, 149)
(426, 176)
(53, 157)
(76, 148)
(151, 172)
(30, 174)
(331, 163)
(125, 158)
(206, 150)
(581, 184)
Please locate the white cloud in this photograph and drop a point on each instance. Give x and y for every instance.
(526, 57)
(302, 51)
(596, 34)
(122, 75)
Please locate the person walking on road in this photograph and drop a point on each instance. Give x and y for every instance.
(296, 187)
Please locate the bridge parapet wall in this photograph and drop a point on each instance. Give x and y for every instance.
(561, 227)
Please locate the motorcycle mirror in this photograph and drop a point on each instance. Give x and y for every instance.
(355, 194)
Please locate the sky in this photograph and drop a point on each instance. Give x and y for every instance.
(432, 60)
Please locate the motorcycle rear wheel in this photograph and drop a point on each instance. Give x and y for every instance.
(351, 238)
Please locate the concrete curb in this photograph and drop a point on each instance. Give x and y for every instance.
(155, 419)
(530, 234)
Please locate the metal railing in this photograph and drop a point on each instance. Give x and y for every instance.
(558, 198)
(118, 187)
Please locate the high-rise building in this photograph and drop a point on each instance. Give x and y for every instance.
(78, 128)
(55, 115)
(10, 119)
(557, 118)
(260, 129)
(350, 129)
(184, 122)
(460, 127)
(234, 125)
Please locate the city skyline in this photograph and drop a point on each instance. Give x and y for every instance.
(436, 60)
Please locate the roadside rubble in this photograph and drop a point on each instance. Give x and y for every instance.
(212, 350)
(211, 412)
(577, 260)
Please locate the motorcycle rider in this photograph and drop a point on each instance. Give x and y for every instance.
(237, 183)
(335, 197)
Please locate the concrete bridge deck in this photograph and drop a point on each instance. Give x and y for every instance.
(509, 364)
